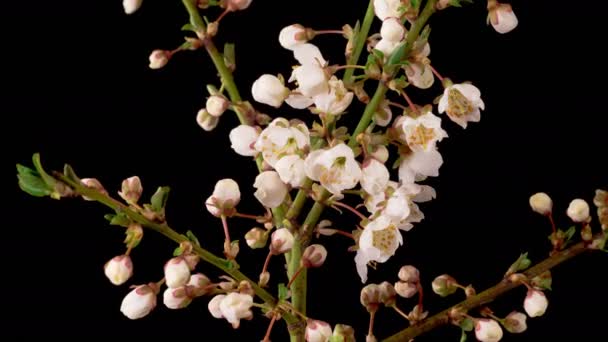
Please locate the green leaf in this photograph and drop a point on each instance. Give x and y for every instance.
(69, 172)
(118, 219)
(188, 27)
(31, 182)
(192, 238)
(283, 292)
(336, 339)
(178, 251)
(569, 234)
(415, 3)
(159, 199)
(467, 324)
(463, 336)
(520, 264)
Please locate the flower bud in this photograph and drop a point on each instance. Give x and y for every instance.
(317, 331)
(131, 6)
(370, 297)
(311, 79)
(578, 210)
(314, 256)
(264, 279)
(281, 241)
(487, 330)
(119, 269)
(270, 90)
(159, 58)
(214, 306)
(134, 234)
(237, 5)
(242, 139)
(177, 272)
(541, 203)
(388, 296)
(271, 191)
(406, 289)
(140, 301)
(444, 285)
(375, 176)
(502, 17)
(515, 322)
(344, 333)
(177, 298)
(292, 35)
(131, 190)
(94, 184)
(601, 202)
(245, 287)
(199, 284)
(216, 105)
(236, 306)
(392, 30)
(226, 195)
(206, 121)
(256, 238)
(535, 303)
(380, 153)
(409, 273)
(371, 338)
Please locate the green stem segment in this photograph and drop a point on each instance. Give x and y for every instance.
(486, 296)
(360, 42)
(225, 265)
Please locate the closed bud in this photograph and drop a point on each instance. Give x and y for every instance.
(601, 202)
(216, 105)
(131, 6)
(140, 301)
(242, 139)
(131, 190)
(177, 272)
(380, 153)
(159, 58)
(264, 278)
(487, 330)
(245, 287)
(405, 289)
(134, 234)
(270, 90)
(370, 297)
(271, 190)
(192, 260)
(444, 285)
(344, 333)
(256, 238)
(119, 269)
(281, 241)
(292, 35)
(214, 306)
(586, 233)
(200, 284)
(237, 5)
(388, 295)
(226, 195)
(317, 331)
(94, 184)
(231, 249)
(501, 16)
(515, 322)
(541, 203)
(392, 30)
(409, 274)
(314, 256)
(578, 210)
(177, 298)
(535, 303)
(206, 121)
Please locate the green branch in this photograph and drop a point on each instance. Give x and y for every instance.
(360, 40)
(486, 296)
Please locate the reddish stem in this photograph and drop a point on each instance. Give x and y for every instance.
(370, 330)
(351, 209)
(398, 105)
(267, 336)
(253, 217)
(295, 275)
(267, 261)
(436, 73)
(420, 296)
(550, 216)
(329, 32)
(413, 107)
(225, 224)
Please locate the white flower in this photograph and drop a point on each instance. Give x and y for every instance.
(541, 203)
(423, 132)
(291, 170)
(216, 105)
(271, 190)
(177, 272)
(206, 121)
(270, 90)
(535, 303)
(336, 100)
(131, 190)
(308, 54)
(226, 195)
(420, 75)
(130, 6)
(236, 5)
(578, 210)
(487, 330)
(386, 46)
(380, 153)
(396, 203)
(176, 298)
(199, 283)
(317, 331)
(502, 17)
(292, 35)
(298, 101)
(384, 114)
(336, 168)
(139, 302)
(236, 306)
(420, 164)
(311, 79)
(314, 256)
(281, 241)
(119, 269)
(378, 242)
(375, 176)
(242, 139)
(159, 58)
(214, 306)
(281, 139)
(387, 8)
(462, 102)
(515, 322)
(392, 30)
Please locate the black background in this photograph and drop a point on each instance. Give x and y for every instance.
(77, 89)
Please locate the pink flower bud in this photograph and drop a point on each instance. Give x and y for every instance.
(292, 35)
(159, 58)
(216, 105)
(226, 195)
(271, 190)
(93, 183)
(487, 330)
(535, 303)
(409, 274)
(515, 322)
(388, 295)
(281, 241)
(502, 17)
(139, 302)
(405, 289)
(541, 203)
(206, 121)
(392, 30)
(237, 5)
(242, 139)
(314, 256)
(370, 297)
(199, 284)
(578, 210)
(214, 306)
(256, 238)
(131, 6)
(444, 285)
(119, 269)
(317, 331)
(177, 298)
(264, 279)
(131, 190)
(177, 272)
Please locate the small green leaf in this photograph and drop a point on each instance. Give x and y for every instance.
(178, 251)
(336, 339)
(463, 336)
(69, 172)
(192, 238)
(118, 219)
(569, 234)
(159, 199)
(31, 182)
(520, 264)
(283, 292)
(188, 27)
(467, 324)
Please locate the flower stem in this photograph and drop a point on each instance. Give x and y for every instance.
(295, 275)
(370, 329)
(351, 209)
(328, 32)
(443, 317)
(401, 312)
(270, 325)
(226, 232)
(410, 103)
(360, 41)
(436, 73)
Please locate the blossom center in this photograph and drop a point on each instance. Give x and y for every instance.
(458, 104)
(383, 239)
(422, 136)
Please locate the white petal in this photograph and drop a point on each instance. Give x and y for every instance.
(308, 54)
(298, 101)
